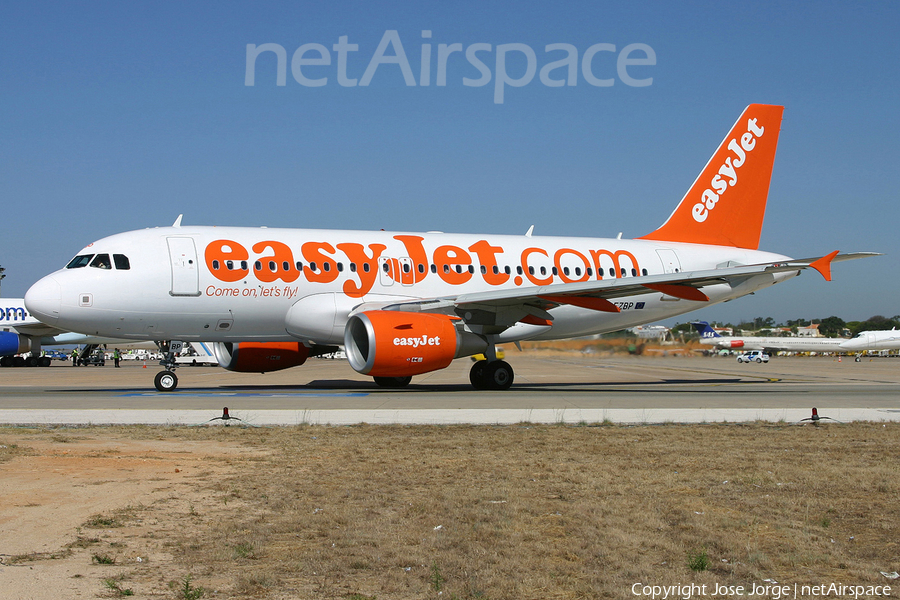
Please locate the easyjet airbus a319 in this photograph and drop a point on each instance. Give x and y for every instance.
(404, 304)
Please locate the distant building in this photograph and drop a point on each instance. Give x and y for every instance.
(650, 332)
(809, 331)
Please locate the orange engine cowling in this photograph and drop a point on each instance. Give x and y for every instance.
(402, 344)
(737, 344)
(260, 357)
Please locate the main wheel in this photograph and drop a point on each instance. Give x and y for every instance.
(32, 361)
(392, 382)
(45, 361)
(165, 381)
(499, 375)
(476, 375)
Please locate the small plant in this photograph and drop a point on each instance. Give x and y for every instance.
(698, 561)
(113, 585)
(101, 522)
(243, 550)
(103, 559)
(437, 580)
(189, 592)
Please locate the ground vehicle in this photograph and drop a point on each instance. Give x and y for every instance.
(97, 358)
(757, 356)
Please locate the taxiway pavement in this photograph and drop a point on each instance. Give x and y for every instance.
(549, 388)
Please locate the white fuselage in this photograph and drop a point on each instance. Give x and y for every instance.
(787, 344)
(873, 340)
(261, 284)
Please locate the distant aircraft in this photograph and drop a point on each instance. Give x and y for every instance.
(404, 304)
(770, 344)
(21, 332)
(873, 340)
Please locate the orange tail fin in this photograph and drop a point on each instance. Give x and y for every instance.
(726, 204)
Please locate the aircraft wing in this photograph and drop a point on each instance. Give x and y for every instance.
(504, 308)
(37, 329)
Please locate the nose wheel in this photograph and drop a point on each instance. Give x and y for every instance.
(165, 381)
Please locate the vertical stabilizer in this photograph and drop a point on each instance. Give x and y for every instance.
(705, 331)
(726, 204)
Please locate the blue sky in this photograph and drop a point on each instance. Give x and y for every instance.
(122, 115)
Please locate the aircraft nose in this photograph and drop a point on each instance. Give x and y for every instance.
(43, 300)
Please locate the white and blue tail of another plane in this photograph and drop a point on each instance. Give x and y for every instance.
(706, 332)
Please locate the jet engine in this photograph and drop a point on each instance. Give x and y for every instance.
(11, 343)
(736, 344)
(260, 357)
(401, 344)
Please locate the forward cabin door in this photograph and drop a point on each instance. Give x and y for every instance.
(185, 275)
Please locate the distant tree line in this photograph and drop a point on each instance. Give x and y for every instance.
(829, 327)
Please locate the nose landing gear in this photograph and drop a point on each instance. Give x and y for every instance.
(167, 381)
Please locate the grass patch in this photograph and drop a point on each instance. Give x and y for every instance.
(523, 511)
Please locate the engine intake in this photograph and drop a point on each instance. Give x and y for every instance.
(401, 344)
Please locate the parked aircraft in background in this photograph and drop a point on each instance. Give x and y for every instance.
(770, 344)
(21, 332)
(405, 304)
(873, 340)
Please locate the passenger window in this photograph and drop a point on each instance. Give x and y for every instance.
(366, 267)
(215, 265)
(285, 265)
(340, 267)
(122, 263)
(243, 265)
(272, 266)
(299, 266)
(101, 261)
(353, 267)
(229, 264)
(257, 265)
(80, 261)
(644, 272)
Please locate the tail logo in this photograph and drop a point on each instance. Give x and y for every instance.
(709, 198)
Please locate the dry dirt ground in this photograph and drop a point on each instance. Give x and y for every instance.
(518, 511)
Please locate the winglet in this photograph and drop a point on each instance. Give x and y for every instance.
(177, 222)
(823, 265)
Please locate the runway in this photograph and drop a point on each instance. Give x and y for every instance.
(549, 388)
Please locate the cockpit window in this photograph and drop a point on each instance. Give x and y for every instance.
(101, 261)
(80, 261)
(122, 262)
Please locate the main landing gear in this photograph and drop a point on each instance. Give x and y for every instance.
(487, 375)
(167, 381)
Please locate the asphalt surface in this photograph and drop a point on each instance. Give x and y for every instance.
(548, 388)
